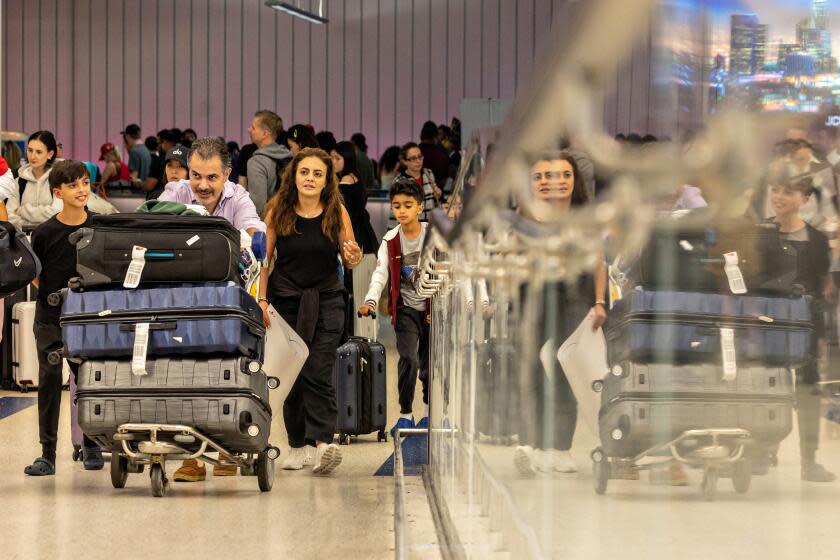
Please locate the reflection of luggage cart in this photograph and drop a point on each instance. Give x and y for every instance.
(717, 452)
(154, 444)
(831, 407)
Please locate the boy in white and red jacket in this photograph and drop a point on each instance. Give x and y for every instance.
(396, 262)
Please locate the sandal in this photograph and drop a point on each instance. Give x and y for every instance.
(40, 467)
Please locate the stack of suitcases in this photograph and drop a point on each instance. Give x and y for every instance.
(168, 335)
(695, 344)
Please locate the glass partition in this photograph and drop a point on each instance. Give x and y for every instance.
(634, 308)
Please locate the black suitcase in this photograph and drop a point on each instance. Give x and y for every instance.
(178, 249)
(686, 256)
(225, 399)
(360, 389)
(497, 381)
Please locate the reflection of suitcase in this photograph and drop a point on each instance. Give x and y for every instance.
(183, 320)
(497, 387)
(633, 423)
(360, 389)
(178, 249)
(680, 327)
(224, 399)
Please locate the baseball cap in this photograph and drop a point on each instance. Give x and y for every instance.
(104, 149)
(132, 130)
(178, 153)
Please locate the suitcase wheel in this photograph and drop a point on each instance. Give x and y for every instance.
(77, 453)
(343, 439)
(382, 436)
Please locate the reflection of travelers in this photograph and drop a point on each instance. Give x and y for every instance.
(787, 198)
(545, 446)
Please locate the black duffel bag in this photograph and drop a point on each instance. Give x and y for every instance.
(18, 264)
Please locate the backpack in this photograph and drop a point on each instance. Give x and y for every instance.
(18, 263)
(280, 167)
(21, 187)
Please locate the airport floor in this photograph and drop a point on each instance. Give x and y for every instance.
(77, 514)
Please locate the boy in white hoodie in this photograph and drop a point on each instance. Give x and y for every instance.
(396, 262)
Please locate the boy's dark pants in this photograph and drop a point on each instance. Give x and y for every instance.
(48, 339)
(413, 347)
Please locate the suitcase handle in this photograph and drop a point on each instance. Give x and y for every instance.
(169, 326)
(160, 256)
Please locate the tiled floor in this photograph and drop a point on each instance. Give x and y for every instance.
(77, 514)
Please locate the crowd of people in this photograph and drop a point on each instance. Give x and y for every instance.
(307, 191)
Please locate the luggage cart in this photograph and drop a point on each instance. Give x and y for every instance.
(154, 444)
(719, 452)
(831, 407)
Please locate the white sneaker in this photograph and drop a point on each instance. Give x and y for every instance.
(543, 461)
(562, 461)
(523, 458)
(294, 462)
(327, 458)
(308, 456)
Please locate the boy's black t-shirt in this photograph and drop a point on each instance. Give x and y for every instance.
(58, 263)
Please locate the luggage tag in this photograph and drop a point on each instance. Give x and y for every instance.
(733, 273)
(135, 269)
(141, 345)
(727, 346)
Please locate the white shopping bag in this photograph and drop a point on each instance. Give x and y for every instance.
(584, 360)
(285, 354)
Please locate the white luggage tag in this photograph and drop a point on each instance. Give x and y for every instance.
(733, 273)
(727, 346)
(141, 345)
(135, 269)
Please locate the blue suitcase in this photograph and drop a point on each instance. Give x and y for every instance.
(683, 327)
(186, 320)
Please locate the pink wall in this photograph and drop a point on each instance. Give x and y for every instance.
(88, 67)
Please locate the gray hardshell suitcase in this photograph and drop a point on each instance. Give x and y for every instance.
(360, 389)
(700, 379)
(221, 398)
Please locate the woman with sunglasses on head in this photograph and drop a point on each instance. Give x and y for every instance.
(411, 167)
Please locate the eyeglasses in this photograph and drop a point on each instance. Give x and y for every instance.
(415, 158)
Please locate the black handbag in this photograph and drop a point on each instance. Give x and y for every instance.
(18, 263)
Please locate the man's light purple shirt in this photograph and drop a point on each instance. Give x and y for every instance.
(235, 205)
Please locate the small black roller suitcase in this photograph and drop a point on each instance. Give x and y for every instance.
(360, 389)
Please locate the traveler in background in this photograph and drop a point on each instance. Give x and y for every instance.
(154, 183)
(434, 157)
(70, 184)
(412, 167)
(354, 194)
(37, 205)
(7, 183)
(326, 140)
(399, 256)
(309, 228)
(233, 148)
(176, 166)
(557, 190)
(151, 143)
(453, 152)
(363, 164)
(139, 158)
(245, 154)
(11, 153)
(388, 167)
(787, 196)
(269, 158)
(299, 137)
(115, 169)
(189, 136)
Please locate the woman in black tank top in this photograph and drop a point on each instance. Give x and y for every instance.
(311, 233)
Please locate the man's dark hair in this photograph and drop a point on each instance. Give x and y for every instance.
(326, 140)
(207, 148)
(406, 187)
(429, 131)
(190, 131)
(66, 172)
(359, 141)
(151, 143)
(169, 135)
